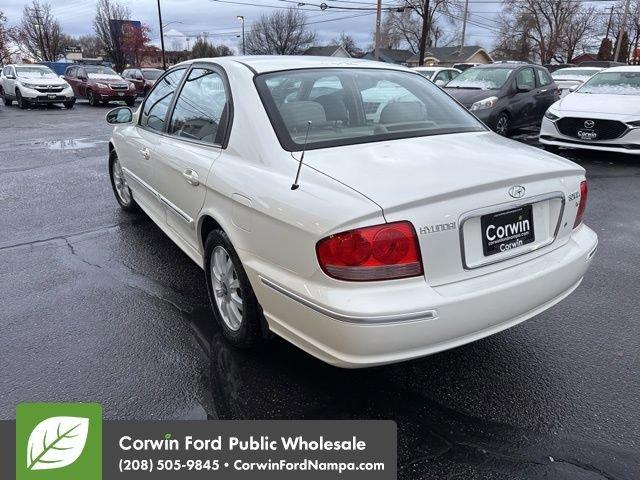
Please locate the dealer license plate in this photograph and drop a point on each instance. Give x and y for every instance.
(506, 230)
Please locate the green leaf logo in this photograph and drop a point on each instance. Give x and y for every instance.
(56, 442)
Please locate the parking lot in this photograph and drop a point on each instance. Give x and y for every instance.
(98, 305)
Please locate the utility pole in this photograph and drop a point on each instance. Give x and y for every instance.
(164, 59)
(623, 27)
(378, 20)
(425, 32)
(609, 22)
(241, 18)
(464, 24)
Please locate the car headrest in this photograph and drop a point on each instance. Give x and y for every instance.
(399, 112)
(297, 114)
(334, 107)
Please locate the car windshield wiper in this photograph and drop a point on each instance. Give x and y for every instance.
(468, 88)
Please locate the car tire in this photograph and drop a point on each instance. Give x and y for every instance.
(232, 299)
(121, 190)
(130, 103)
(22, 103)
(503, 124)
(69, 105)
(93, 101)
(5, 98)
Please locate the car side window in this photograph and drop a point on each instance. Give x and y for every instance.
(200, 107)
(453, 74)
(156, 106)
(443, 75)
(525, 78)
(543, 77)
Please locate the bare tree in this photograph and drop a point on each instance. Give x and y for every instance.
(283, 32)
(203, 49)
(549, 27)
(578, 34)
(39, 33)
(349, 44)
(91, 46)
(402, 27)
(6, 51)
(107, 10)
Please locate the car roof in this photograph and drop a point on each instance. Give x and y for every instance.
(624, 68)
(579, 68)
(274, 63)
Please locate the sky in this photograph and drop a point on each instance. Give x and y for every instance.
(187, 19)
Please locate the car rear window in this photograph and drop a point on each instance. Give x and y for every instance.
(356, 105)
(573, 72)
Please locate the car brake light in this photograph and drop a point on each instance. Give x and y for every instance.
(584, 191)
(381, 252)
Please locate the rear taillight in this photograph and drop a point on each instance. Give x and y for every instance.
(584, 191)
(381, 252)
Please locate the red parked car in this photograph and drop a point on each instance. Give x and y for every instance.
(142, 78)
(98, 84)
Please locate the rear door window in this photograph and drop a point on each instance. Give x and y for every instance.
(156, 105)
(543, 77)
(200, 107)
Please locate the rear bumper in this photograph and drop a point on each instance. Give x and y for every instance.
(384, 331)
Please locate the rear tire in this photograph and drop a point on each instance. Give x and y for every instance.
(233, 301)
(503, 125)
(121, 190)
(5, 98)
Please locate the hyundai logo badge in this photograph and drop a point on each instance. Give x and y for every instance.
(517, 191)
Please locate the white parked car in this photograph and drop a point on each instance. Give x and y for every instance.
(570, 78)
(30, 84)
(603, 114)
(438, 75)
(361, 241)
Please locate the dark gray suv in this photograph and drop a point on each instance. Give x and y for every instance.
(505, 96)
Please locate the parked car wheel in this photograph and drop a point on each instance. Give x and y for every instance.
(232, 299)
(7, 101)
(93, 100)
(503, 124)
(22, 103)
(69, 105)
(119, 184)
(130, 103)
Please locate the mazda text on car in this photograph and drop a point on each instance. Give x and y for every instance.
(350, 207)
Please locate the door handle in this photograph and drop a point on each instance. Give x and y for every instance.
(145, 153)
(191, 177)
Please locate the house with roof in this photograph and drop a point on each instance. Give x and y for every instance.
(448, 56)
(328, 51)
(391, 55)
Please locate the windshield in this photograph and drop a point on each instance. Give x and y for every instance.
(572, 72)
(98, 70)
(35, 73)
(349, 106)
(617, 83)
(481, 78)
(152, 74)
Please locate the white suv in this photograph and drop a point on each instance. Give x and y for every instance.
(34, 84)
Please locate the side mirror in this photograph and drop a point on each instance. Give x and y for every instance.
(524, 88)
(119, 116)
(440, 83)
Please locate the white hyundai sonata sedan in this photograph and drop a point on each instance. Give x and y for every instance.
(602, 114)
(351, 207)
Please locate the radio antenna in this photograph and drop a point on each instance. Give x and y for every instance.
(304, 149)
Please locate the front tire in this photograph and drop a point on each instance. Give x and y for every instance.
(119, 184)
(22, 103)
(93, 100)
(503, 125)
(232, 298)
(69, 105)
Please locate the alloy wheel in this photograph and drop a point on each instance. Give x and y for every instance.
(502, 125)
(120, 183)
(226, 288)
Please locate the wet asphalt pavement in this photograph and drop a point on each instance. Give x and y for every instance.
(98, 305)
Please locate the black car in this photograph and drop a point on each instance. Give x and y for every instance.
(505, 96)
